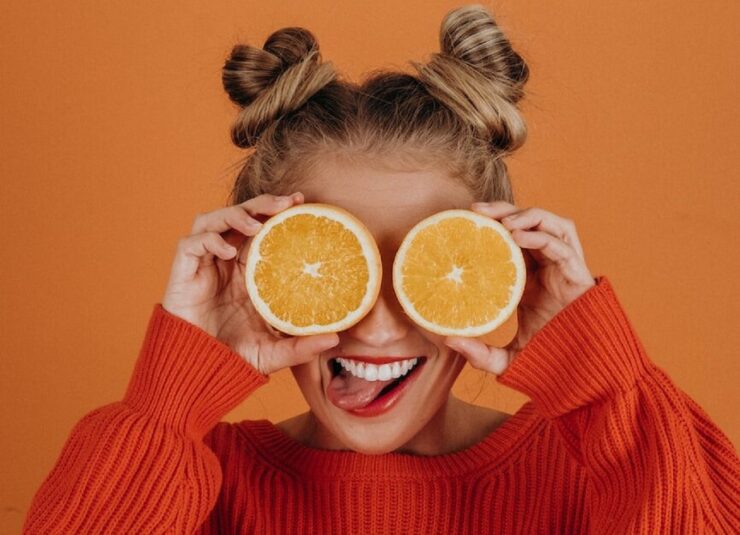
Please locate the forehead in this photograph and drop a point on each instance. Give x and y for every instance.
(389, 201)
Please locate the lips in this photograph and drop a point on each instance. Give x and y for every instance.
(390, 396)
(375, 360)
(350, 391)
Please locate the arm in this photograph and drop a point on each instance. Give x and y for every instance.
(140, 465)
(655, 460)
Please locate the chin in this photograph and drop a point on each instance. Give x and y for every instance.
(374, 437)
(380, 450)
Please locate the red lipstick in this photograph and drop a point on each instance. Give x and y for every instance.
(376, 360)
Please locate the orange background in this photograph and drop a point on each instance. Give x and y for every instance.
(115, 133)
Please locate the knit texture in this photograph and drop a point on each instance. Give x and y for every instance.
(607, 444)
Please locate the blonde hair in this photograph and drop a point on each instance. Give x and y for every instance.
(458, 111)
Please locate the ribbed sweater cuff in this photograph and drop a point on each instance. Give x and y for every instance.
(186, 378)
(588, 352)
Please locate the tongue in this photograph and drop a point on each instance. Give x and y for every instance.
(349, 392)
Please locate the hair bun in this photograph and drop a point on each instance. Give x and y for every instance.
(472, 35)
(272, 81)
(479, 76)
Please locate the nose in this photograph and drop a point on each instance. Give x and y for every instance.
(384, 325)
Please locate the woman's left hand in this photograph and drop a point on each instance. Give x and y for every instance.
(556, 276)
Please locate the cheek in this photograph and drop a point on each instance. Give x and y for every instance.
(442, 376)
(449, 367)
(308, 378)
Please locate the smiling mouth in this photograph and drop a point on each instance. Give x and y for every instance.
(336, 368)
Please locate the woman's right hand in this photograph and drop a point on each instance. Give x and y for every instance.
(207, 287)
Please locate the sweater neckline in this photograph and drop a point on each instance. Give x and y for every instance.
(499, 448)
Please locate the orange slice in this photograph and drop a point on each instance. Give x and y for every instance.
(313, 268)
(459, 273)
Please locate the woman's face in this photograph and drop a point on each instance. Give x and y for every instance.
(389, 202)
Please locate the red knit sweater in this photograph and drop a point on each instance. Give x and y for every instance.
(607, 444)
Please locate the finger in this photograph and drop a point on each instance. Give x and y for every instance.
(539, 219)
(479, 355)
(296, 350)
(546, 248)
(226, 219)
(268, 204)
(195, 251)
(243, 216)
(571, 235)
(495, 209)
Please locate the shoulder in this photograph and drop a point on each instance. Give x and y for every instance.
(220, 434)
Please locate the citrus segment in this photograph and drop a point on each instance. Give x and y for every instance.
(313, 268)
(459, 273)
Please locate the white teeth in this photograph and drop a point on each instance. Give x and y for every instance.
(384, 372)
(371, 372)
(374, 372)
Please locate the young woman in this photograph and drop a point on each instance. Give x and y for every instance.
(607, 444)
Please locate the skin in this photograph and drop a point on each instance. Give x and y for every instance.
(206, 288)
(428, 420)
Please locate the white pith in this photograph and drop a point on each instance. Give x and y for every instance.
(375, 372)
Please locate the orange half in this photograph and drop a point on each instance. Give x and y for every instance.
(313, 268)
(459, 273)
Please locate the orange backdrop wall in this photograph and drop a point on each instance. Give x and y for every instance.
(115, 133)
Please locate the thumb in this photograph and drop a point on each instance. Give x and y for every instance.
(310, 346)
(299, 349)
(481, 356)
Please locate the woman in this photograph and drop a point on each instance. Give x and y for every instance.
(608, 443)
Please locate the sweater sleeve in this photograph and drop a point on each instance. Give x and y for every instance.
(654, 460)
(140, 465)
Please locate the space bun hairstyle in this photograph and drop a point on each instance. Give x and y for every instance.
(273, 81)
(479, 76)
(457, 112)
